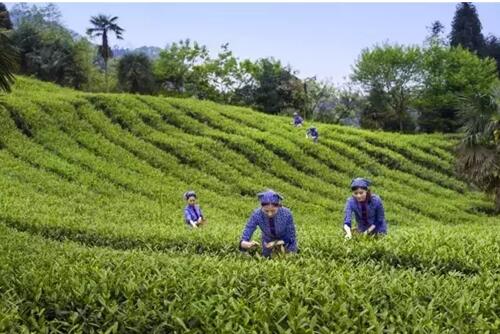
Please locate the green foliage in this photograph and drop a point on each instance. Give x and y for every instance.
(466, 28)
(394, 71)
(135, 74)
(8, 61)
(102, 25)
(48, 50)
(180, 68)
(5, 22)
(479, 150)
(92, 238)
(449, 73)
(276, 87)
(492, 50)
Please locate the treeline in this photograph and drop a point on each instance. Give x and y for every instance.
(393, 87)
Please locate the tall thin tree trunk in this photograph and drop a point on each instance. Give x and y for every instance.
(106, 55)
(106, 74)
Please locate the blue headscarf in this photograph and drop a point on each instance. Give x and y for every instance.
(189, 194)
(269, 196)
(360, 182)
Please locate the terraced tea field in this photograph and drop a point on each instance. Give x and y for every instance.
(92, 238)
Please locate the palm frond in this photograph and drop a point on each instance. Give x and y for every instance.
(8, 62)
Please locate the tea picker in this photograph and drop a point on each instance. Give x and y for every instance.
(368, 210)
(313, 133)
(276, 224)
(193, 216)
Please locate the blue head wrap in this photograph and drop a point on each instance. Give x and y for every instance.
(269, 196)
(360, 182)
(189, 194)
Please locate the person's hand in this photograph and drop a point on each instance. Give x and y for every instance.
(249, 244)
(274, 243)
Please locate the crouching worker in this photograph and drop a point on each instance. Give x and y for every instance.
(297, 120)
(276, 224)
(367, 208)
(313, 133)
(192, 212)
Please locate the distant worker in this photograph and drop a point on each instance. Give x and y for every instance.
(297, 120)
(276, 224)
(368, 210)
(193, 216)
(312, 132)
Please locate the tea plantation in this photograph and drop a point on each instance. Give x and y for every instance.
(92, 238)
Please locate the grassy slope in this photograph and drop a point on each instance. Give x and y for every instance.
(109, 171)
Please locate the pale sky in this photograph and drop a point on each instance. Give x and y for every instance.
(322, 39)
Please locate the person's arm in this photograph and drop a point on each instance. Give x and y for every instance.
(291, 235)
(200, 214)
(380, 214)
(347, 220)
(187, 216)
(250, 227)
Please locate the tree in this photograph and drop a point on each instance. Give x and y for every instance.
(466, 28)
(393, 71)
(5, 22)
(42, 16)
(8, 62)
(8, 53)
(338, 105)
(448, 73)
(102, 26)
(135, 73)
(479, 150)
(180, 69)
(376, 113)
(277, 87)
(47, 49)
(436, 34)
(492, 50)
(227, 74)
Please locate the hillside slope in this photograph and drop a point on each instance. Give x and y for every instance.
(91, 214)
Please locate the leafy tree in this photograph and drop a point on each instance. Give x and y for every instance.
(393, 71)
(47, 49)
(492, 50)
(8, 62)
(277, 87)
(102, 26)
(479, 151)
(227, 74)
(466, 28)
(179, 68)
(135, 73)
(8, 53)
(436, 34)
(330, 104)
(448, 73)
(41, 16)
(5, 22)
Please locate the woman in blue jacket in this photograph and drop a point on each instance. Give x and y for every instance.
(193, 216)
(275, 222)
(368, 210)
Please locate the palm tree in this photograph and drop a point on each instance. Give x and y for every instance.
(104, 24)
(8, 62)
(479, 150)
